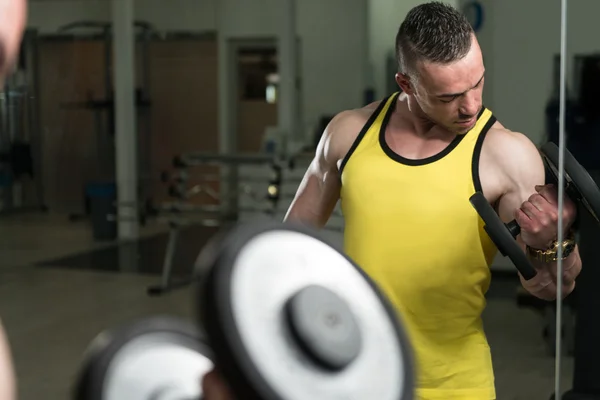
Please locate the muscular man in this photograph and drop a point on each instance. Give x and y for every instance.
(404, 169)
(12, 23)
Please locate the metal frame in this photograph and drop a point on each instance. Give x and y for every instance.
(211, 216)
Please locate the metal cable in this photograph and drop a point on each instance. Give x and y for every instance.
(561, 189)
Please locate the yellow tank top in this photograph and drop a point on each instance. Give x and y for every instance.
(410, 226)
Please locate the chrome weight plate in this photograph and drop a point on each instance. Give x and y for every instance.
(290, 317)
(159, 358)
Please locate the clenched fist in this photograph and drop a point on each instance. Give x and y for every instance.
(538, 217)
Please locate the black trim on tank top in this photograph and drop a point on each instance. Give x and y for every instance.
(364, 131)
(477, 154)
(422, 161)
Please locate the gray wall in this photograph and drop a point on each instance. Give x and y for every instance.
(333, 34)
(518, 40)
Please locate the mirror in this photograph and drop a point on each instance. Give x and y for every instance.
(120, 159)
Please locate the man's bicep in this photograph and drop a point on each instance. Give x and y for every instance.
(319, 189)
(523, 170)
(316, 196)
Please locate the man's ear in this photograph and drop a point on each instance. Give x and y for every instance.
(404, 82)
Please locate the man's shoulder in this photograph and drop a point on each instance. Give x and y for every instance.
(344, 128)
(508, 145)
(352, 118)
(512, 153)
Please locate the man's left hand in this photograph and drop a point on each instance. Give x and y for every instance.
(538, 217)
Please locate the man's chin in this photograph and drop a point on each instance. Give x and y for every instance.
(462, 129)
(455, 128)
(459, 130)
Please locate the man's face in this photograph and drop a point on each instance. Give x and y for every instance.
(13, 15)
(451, 95)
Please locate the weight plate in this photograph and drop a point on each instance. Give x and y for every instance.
(290, 317)
(500, 235)
(579, 185)
(160, 358)
(324, 327)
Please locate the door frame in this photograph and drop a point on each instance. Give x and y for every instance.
(234, 45)
(228, 108)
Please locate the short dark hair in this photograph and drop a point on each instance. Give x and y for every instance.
(434, 32)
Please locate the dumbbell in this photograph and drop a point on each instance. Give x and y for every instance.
(155, 358)
(286, 316)
(579, 186)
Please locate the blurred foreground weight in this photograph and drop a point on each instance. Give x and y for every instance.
(286, 316)
(159, 358)
(290, 317)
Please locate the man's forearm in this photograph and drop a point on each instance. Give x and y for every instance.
(307, 218)
(570, 264)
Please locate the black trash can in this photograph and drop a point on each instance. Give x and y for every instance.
(102, 197)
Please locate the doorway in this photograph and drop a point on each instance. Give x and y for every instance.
(255, 91)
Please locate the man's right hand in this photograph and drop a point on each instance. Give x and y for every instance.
(215, 388)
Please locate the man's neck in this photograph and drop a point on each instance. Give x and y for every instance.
(413, 115)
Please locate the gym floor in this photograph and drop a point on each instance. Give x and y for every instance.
(60, 289)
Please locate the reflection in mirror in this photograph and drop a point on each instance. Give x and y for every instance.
(578, 358)
(133, 132)
(583, 144)
(520, 90)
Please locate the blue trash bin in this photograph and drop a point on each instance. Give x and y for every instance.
(102, 198)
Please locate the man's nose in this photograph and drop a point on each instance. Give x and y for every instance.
(471, 103)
